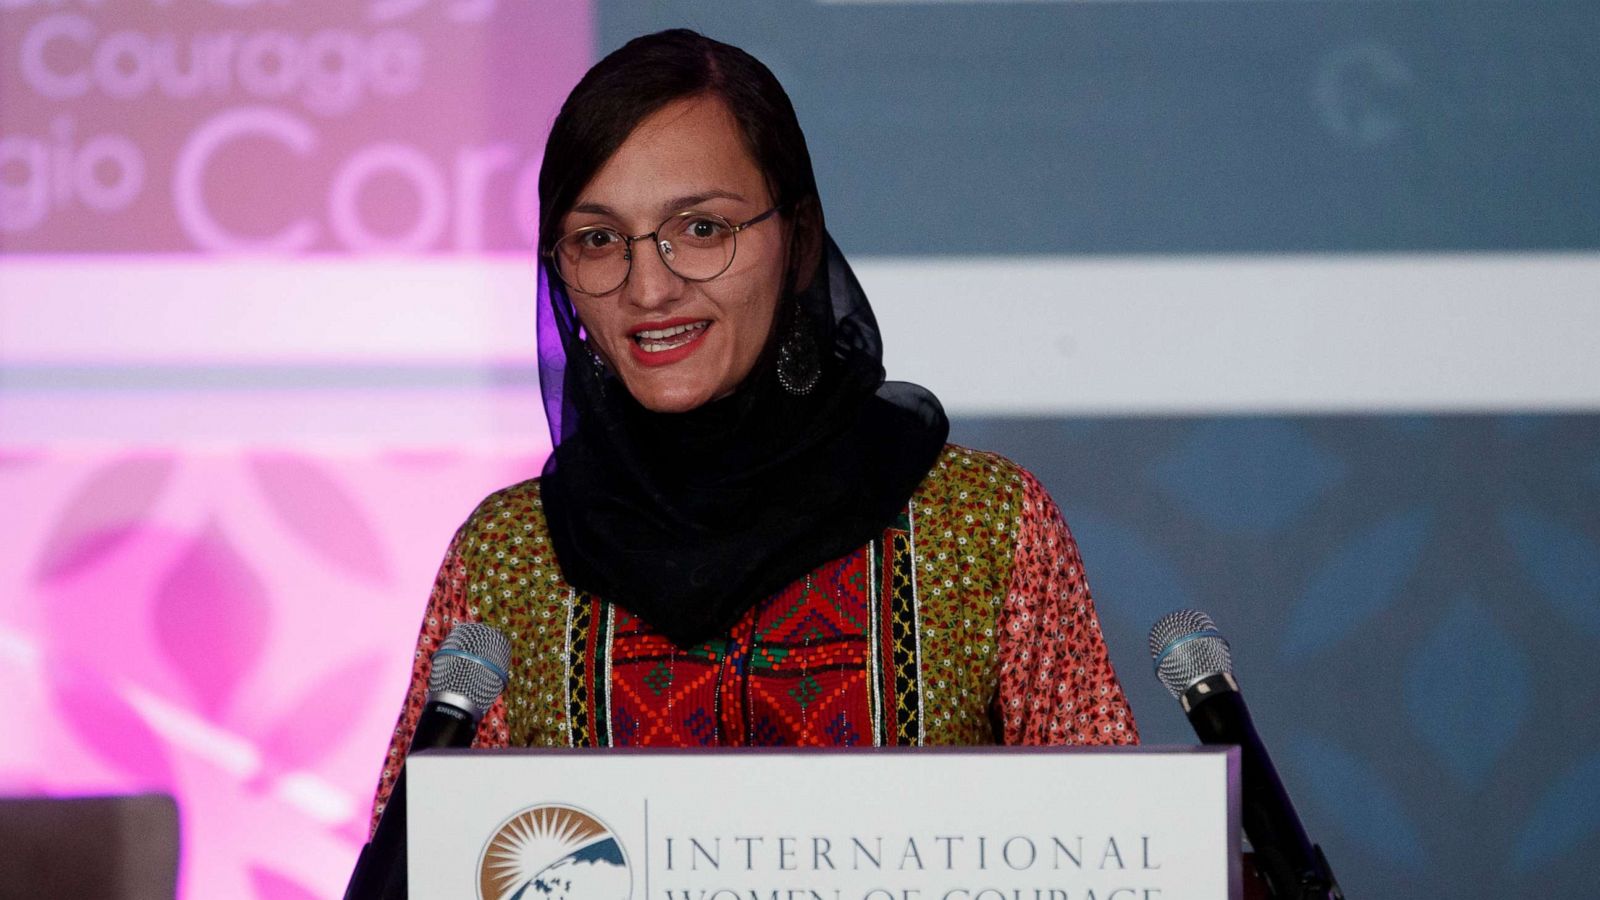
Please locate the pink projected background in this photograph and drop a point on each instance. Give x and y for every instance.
(227, 626)
(266, 336)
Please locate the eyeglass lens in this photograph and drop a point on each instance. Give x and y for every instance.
(695, 246)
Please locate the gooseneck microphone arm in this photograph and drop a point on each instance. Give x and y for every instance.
(1194, 662)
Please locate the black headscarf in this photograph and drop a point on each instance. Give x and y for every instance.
(689, 519)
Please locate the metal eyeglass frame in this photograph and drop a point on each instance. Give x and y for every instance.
(627, 246)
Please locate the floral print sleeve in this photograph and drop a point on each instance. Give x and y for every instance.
(447, 606)
(1056, 681)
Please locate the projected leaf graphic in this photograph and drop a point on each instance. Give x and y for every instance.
(1568, 813)
(316, 723)
(1247, 477)
(1134, 580)
(1357, 582)
(1484, 693)
(1563, 563)
(270, 885)
(1347, 790)
(211, 615)
(321, 514)
(106, 724)
(103, 512)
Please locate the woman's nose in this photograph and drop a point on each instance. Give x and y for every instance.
(651, 283)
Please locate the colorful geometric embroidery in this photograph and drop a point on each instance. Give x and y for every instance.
(580, 718)
(878, 695)
(600, 678)
(812, 637)
(900, 682)
(794, 671)
(969, 622)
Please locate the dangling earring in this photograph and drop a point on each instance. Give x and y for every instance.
(799, 365)
(598, 366)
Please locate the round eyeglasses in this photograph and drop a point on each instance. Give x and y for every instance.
(694, 245)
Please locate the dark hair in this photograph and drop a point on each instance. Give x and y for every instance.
(646, 74)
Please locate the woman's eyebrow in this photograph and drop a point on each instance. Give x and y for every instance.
(699, 198)
(668, 208)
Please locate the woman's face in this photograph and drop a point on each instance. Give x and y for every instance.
(688, 155)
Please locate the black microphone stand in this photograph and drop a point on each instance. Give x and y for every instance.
(1292, 867)
(380, 872)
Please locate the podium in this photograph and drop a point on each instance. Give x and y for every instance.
(1022, 823)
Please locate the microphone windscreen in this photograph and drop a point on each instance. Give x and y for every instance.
(1187, 647)
(471, 663)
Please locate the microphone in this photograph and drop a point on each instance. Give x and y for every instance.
(1194, 662)
(469, 672)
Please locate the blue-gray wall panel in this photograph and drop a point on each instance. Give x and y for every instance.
(1413, 603)
(1184, 127)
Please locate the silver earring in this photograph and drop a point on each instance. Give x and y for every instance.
(799, 366)
(598, 366)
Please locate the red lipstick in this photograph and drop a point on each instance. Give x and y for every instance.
(695, 338)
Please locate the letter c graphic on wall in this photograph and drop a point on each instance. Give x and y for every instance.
(188, 182)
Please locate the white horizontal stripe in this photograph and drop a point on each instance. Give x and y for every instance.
(314, 796)
(258, 309)
(1207, 335)
(19, 648)
(995, 335)
(188, 730)
(349, 420)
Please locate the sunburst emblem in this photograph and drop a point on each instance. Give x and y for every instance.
(553, 852)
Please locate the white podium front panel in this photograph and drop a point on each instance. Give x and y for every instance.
(978, 824)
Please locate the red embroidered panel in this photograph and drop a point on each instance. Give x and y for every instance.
(794, 671)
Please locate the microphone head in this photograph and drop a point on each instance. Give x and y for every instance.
(471, 664)
(1187, 647)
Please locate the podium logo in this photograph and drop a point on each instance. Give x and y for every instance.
(553, 852)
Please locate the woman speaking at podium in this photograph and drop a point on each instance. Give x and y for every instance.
(744, 535)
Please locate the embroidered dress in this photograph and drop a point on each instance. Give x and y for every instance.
(968, 622)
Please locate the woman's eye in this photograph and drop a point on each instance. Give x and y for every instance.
(598, 240)
(704, 229)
